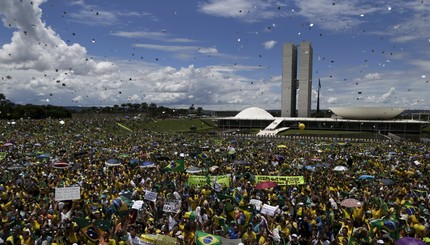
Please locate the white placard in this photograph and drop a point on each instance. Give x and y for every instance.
(137, 204)
(67, 193)
(172, 206)
(150, 196)
(256, 203)
(269, 210)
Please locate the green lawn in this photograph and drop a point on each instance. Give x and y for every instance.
(169, 125)
(202, 125)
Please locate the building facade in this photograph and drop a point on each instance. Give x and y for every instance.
(291, 82)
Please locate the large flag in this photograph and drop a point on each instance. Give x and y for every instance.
(391, 226)
(176, 166)
(203, 238)
(120, 206)
(88, 229)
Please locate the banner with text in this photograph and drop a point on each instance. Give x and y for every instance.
(281, 180)
(202, 180)
(67, 193)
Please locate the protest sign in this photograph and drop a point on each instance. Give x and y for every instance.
(200, 180)
(67, 193)
(150, 196)
(281, 180)
(137, 204)
(269, 210)
(172, 206)
(256, 203)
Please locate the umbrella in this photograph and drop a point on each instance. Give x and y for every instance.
(340, 168)
(351, 203)
(8, 144)
(279, 158)
(410, 241)
(365, 177)
(240, 162)
(112, 162)
(193, 170)
(43, 158)
(213, 168)
(387, 181)
(282, 146)
(265, 185)
(147, 165)
(60, 165)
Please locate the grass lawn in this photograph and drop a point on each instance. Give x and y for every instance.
(207, 125)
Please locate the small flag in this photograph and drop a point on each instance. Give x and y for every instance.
(206, 238)
(124, 127)
(176, 166)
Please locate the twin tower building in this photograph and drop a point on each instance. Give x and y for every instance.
(293, 104)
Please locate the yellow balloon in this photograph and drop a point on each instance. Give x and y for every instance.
(301, 126)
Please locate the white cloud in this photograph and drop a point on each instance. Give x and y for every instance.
(151, 35)
(269, 44)
(372, 76)
(339, 15)
(36, 46)
(93, 15)
(332, 100)
(244, 10)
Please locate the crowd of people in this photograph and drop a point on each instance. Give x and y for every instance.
(386, 184)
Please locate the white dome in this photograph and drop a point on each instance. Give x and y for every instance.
(366, 112)
(254, 113)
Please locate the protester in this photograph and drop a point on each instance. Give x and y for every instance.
(387, 182)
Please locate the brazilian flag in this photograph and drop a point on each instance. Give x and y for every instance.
(120, 206)
(203, 238)
(391, 226)
(176, 166)
(237, 196)
(88, 229)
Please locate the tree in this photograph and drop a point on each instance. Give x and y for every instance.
(152, 109)
(199, 111)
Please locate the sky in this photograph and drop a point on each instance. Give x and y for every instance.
(214, 54)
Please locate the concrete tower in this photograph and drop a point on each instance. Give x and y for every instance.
(289, 80)
(305, 80)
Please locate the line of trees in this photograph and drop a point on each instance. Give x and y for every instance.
(10, 110)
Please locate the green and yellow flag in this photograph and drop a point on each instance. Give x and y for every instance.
(176, 166)
(203, 238)
(88, 229)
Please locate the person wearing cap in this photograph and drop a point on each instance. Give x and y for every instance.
(293, 239)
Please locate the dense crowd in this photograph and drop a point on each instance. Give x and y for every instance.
(387, 184)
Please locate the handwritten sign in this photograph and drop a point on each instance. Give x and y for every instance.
(67, 193)
(281, 180)
(172, 206)
(137, 204)
(269, 210)
(150, 196)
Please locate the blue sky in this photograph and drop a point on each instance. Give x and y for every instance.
(215, 54)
